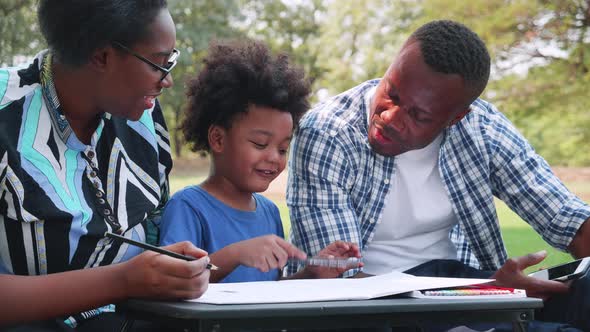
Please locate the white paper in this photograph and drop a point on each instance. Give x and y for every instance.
(311, 290)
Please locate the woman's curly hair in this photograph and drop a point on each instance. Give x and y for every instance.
(237, 74)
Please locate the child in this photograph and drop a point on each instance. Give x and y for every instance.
(243, 109)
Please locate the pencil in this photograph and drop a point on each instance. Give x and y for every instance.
(350, 262)
(155, 249)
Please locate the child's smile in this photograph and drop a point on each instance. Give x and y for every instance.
(254, 149)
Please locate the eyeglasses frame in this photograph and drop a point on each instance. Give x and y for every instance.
(172, 60)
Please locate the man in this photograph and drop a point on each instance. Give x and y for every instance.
(84, 150)
(408, 167)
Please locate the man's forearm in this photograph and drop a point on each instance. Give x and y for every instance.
(580, 245)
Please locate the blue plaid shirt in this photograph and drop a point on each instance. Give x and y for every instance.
(338, 184)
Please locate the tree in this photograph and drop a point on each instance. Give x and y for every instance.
(360, 39)
(292, 27)
(197, 23)
(19, 31)
(540, 51)
(541, 68)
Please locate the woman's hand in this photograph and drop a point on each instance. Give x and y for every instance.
(158, 276)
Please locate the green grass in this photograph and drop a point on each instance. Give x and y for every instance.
(178, 182)
(519, 237)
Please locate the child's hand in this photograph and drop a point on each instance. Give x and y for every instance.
(337, 249)
(267, 252)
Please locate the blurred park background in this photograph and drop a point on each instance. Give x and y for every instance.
(540, 73)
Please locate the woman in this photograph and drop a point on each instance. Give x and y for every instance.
(83, 151)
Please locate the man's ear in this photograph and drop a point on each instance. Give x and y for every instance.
(216, 138)
(460, 116)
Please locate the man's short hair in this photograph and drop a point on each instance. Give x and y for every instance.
(74, 29)
(452, 48)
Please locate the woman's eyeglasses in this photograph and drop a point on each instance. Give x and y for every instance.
(172, 60)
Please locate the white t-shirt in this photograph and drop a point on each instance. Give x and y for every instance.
(417, 217)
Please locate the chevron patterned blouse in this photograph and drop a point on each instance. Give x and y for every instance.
(58, 196)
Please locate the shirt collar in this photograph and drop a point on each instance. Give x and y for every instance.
(58, 118)
(56, 114)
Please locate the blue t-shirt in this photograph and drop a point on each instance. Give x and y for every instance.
(194, 215)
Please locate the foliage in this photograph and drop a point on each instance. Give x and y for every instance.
(541, 68)
(550, 107)
(197, 23)
(360, 38)
(292, 27)
(540, 51)
(19, 31)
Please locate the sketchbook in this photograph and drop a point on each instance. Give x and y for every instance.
(312, 290)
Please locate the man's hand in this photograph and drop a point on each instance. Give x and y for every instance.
(154, 275)
(511, 275)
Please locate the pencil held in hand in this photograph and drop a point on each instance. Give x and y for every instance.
(212, 267)
(159, 250)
